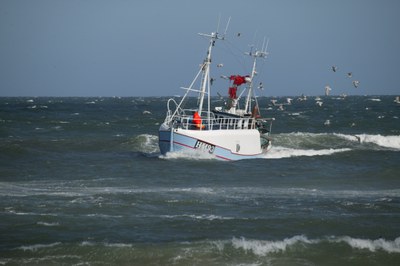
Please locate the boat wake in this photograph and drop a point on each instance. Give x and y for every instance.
(187, 154)
(282, 152)
(319, 141)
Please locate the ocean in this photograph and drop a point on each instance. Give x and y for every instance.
(82, 182)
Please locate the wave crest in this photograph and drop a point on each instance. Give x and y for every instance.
(324, 141)
(263, 247)
(145, 143)
(392, 142)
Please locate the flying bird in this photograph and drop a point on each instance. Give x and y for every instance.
(327, 90)
(356, 83)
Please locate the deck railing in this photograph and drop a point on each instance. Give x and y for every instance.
(183, 118)
(212, 122)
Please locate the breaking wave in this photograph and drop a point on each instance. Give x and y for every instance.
(391, 142)
(264, 247)
(144, 143)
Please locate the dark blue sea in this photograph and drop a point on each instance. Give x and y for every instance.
(82, 182)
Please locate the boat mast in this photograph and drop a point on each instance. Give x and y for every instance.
(256, 54)
(205, 82)
(206, 70)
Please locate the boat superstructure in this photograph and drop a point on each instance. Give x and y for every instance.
(224, 132)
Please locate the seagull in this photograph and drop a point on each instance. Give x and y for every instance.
(356, 83)
(302, 98)
(327, 90)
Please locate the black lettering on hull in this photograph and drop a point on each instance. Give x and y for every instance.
(204, 146)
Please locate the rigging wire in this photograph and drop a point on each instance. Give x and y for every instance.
(237, 54)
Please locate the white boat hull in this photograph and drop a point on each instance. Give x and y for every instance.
(221, 144)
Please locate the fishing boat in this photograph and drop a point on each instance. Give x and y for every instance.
(222, 132)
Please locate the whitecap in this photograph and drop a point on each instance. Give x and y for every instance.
(118, 245)
(114, 245)
(103, 215)
(209, 217)
(264, 247)
(87, 243)
(39, 246)
(383, 141)
(375, 99)
(371, 245)
(47, 224)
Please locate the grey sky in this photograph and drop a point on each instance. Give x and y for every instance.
(151, 47)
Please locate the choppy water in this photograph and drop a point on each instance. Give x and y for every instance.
(82, 182)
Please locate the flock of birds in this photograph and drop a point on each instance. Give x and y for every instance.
(274, 102)
(318, 100)
(355, 83)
